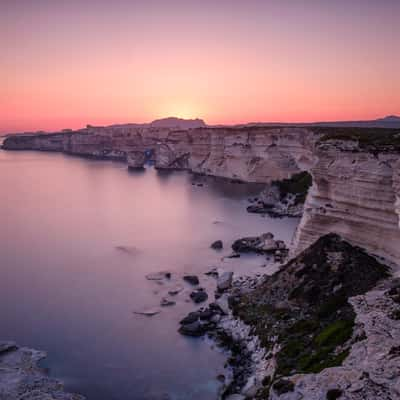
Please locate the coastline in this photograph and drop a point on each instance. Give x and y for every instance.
(21, 376)
(370, 354)
(259, 363)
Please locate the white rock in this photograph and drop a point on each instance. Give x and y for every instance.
(224, 281)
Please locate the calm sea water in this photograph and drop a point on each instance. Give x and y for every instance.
(66, 288)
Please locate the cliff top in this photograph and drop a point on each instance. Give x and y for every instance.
(370, 139)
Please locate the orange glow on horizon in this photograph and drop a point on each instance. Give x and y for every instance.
(68, 65)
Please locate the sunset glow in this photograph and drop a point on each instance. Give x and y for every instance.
(66, 64)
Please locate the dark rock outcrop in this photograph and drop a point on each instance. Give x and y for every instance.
(199, 295)
(217, 245)
(192, 279)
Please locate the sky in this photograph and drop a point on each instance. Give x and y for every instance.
(65, 64)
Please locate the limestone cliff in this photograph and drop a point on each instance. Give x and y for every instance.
(252, 154)
(356, 178)
(355, 194)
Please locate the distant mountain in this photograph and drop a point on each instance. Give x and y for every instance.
(390, 118)
(179, 123)
(390, 121)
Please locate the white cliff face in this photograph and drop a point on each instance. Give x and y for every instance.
(251, 154)
(396, 187)
(356, 195)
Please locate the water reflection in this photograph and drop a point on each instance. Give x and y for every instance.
(66, 287)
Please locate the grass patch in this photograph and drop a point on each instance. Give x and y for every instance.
(368, 138)
(336, 333)
(310, 346)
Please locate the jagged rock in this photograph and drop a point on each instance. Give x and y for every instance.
(356, 194)
(174, 291)
(192, 279)
(263, 244)
(217, 245)
(192, 329)
(190, 318)
(199, 295)
(224, 281)
(207, 314)
(166, 302)
(223, 304)
(213, 272)
(22, 378)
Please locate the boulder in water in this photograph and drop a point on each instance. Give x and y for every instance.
(192, 279)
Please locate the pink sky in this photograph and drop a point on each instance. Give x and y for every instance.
(103, 62)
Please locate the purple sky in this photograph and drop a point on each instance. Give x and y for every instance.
(65, 64)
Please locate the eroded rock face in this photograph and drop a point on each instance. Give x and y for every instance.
(356, 195)
(356, 185)
(21, 378)
(252, 154)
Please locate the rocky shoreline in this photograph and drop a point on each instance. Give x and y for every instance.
(310, 330)
(21, 377)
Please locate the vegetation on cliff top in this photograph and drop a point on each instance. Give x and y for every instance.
(374, 139)
(305, 305)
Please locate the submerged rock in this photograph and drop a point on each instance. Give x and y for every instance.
(195, 328)
(192, 279)
(158, 276)
(174, 291)
(190, 318)
(166, 302)
(132, 250)
(217, 245)
(199, 295)
(149, 312)
(233, 255)
(212, 272)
